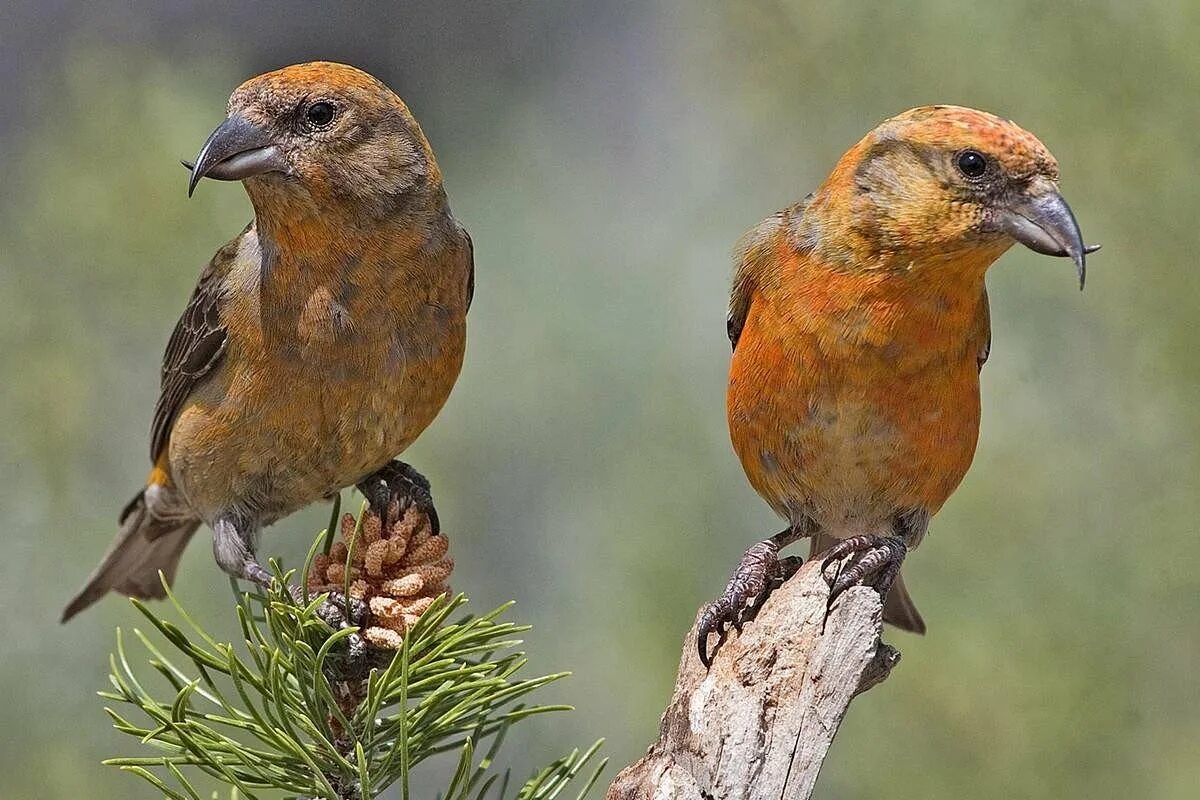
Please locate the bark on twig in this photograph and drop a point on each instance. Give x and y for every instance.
(760, 722)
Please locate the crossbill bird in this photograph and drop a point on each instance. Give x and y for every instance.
(318, 343)
(859, 324)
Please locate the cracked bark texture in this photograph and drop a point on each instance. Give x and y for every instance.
(760, 722)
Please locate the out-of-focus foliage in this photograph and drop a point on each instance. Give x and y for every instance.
(605, 156)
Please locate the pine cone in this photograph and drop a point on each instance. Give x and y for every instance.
(398, 569)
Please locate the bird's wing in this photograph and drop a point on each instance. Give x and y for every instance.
(194, 348)
(982, 332)
(470, 267)
(753, 254)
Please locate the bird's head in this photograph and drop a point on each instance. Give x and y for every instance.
(316, 134)
(949, 183)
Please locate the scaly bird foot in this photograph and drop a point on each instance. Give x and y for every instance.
(234, 553)
(356, 660)
(759, 572)
(399, 481)
(880, 556)
(338, 611)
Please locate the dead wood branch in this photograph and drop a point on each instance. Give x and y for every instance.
(760, 722)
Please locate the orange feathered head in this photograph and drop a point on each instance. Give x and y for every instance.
(943, 182)
(324, 131)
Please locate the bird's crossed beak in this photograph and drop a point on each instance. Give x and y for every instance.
(1042, 221)
(237, 149)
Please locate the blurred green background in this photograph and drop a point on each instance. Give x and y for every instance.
(605, 156)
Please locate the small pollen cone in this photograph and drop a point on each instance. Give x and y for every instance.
(398, 569)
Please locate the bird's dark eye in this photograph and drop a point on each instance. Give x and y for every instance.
(971, 163)
(320, 114)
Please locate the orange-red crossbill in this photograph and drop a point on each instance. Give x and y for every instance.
(318, 344)
(859, 323)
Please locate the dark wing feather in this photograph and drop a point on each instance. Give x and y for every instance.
(194, 348)
(983, 332)
(753, 252)
(750, 253)
(470, 267)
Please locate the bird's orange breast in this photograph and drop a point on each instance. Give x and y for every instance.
(321, 383)
(855, 394)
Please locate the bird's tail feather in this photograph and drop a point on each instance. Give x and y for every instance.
(900, 610)
(145, 545)
(898, 607)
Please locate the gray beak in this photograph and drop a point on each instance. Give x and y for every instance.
(1043, 222)
(237, 149)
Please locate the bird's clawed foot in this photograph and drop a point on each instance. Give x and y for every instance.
(231, 546)
(356, 659)
(879, 556)
(339, 611)
(397, 480)
(759, 572)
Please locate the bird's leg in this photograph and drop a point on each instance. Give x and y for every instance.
(399, 480)
(877, 555)
(233, 550)
(235, 554)
(759, 572)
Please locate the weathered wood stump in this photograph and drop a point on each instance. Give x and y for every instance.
(760, 722)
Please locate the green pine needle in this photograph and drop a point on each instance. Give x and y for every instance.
(275, 714)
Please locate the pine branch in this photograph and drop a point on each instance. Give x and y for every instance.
(319, 712)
